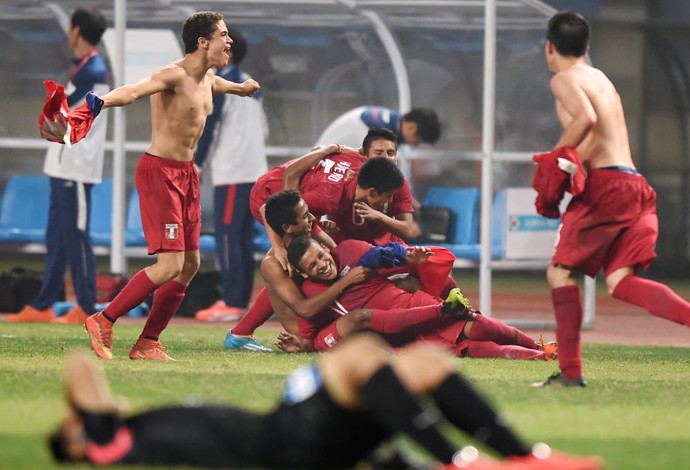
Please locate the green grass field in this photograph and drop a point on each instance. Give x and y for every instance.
(636, 412)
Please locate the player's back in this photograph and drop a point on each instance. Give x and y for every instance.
(607, 143)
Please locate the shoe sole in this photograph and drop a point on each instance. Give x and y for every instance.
(141, 357)
(555, 384)
(96, 344)
(249, 347)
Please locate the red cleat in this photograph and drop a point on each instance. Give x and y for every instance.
(100, 331)
(149, 349)
(550, 349)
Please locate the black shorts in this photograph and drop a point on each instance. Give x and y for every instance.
(317, 433)
(313, 433)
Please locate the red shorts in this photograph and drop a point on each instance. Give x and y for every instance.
(169, 203)
(267, 184)
(327, 337)
(613, 224)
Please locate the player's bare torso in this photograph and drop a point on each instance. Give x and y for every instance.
(178, 114)
(607, 142)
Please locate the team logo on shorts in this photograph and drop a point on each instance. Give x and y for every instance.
(171, 231)
(330, 340)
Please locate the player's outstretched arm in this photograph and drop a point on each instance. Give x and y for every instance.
(163, 79)
(246, 88)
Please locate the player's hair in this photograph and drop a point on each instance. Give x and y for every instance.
(239, 45)
(428, 125)
(378, 133)
(280, 209)
(199, 25)
(91, 24)
(57, 448)
(569, 33)
(381, 174)
(298, 247)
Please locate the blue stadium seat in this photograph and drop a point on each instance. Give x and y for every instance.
(465, 205)
(101, 213)
(207, 243)
(261, 243)
(134, 232)
(24, 209)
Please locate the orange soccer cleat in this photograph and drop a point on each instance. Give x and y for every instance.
(150, 350)
(100, 331)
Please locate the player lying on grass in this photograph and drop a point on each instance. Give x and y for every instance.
(400, 316)
(289, 217)
(331, 416)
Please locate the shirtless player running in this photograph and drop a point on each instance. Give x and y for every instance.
(613, 222)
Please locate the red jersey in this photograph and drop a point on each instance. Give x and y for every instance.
(329, 189)
(270, 183)
(377, 292)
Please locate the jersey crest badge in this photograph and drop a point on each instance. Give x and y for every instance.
(330, 340)
(172, 231)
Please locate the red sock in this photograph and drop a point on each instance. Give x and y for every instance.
(658, 299)
(491, 350)
(568, 309)
(401, 319)
(489, 329)
(138, 289)
(166, 301)
(255, 316)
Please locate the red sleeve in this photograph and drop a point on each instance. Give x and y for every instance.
(402, 201)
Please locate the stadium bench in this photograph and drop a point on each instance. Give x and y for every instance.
(24, 210)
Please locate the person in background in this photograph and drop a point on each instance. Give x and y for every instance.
(233, 143)
(412, 128)
(73, 171)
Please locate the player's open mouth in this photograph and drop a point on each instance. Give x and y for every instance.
(326, 270)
